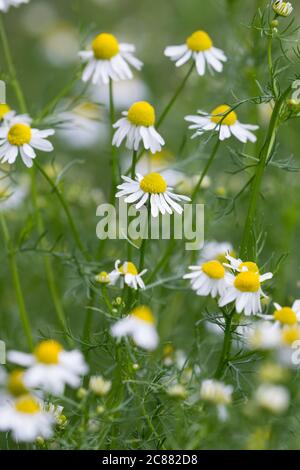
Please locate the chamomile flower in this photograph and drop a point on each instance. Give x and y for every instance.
(138, 125)
(282, 8)
(6, 113)
(6, 4)
(198, 47)
(215, 250)
(26, 418)
(19, 137)
(140, 325)
(218, 393)
(288, 316)
(50, 367)
(273, 398)
(264, 335)
(12, 193)
(245, 288)
(99, 386)
(151, 187)
(128, 274)
(208, 278)
(224, 121)
(109, 59)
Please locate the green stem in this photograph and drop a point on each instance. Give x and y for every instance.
(224, 358)
(206, 168)
(61, 199)
(133, 164)
(174, 97)
(144, 240)
(17, 284)
(11, 68)
(114, 160)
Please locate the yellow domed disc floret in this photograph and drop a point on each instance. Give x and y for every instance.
(4, 109)
(48, 352)
(141, 113)
(15, 383)
(199, 41)
(291, 334)
(19, 134)
(143, 313)
(128, 268)
(286, 316)
(27, 404)
(214, 269)
(153, 183)
(250, 266)
(223, 115)
(247, 282)
(105, 46)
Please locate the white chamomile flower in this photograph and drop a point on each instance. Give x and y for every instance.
(263, 335)
(128, 273)
(215, 250)
(11, 194)
(289, 316)
(208, 279)
(224, 121)
(50, 367)
(137, 126)
(6, 4)
(200, 48)
(154, 187)
(140, 325)
(245, 288)
(273, 398)
(26, 418)
(218, 393)
(99, 386)
(19, 137)
(109, 59)
(282, 8)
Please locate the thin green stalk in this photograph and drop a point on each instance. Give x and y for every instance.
(144, 240)
(11, 68)
(206, 168)
(17, 284)
(224, 358)
(114, 160)
(133, 164)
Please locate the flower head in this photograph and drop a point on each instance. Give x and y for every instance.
(50, 367)
(6, 4)
(218, 393)
(109, 60)
(99, 386)
(151, 187)
(138, 125)
(273, 398)
(282, 8)
(140, 325)
(198, 47)
(209, 278)
(285, 316)
(17, 136)
(224, 121)
(128, 274)
(215, 250)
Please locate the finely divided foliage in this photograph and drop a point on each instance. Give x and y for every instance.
(137, 343)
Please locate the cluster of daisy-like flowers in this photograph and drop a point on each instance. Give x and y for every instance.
(23, 409)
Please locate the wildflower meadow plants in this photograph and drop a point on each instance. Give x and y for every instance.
(139, 342)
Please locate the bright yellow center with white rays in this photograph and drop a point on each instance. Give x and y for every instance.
(128, 268)
(214, 269)
(223, 115)
(15, 383)
(286, 316)
(250, 266)
(27, 404)
(291, 334)
(4, 109)
(141, 113)
(143, 313)
(153, 183)
(48, 352)
(19, 134)
(199, 41)
(105, 46)
(247, 282)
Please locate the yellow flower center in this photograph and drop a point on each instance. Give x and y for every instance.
(103, 278)
(27, 404)
(19, 134)
(105, 46)
(286, 316)
(289, 335)
(4, 109)
(214, 269)
(15, 383)
(250, 267)
(143, 313)
(199, 41)
(48, 352)
(141, 113)
(128, 268)
(247, 282)
(217, 115)
(153, 183)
